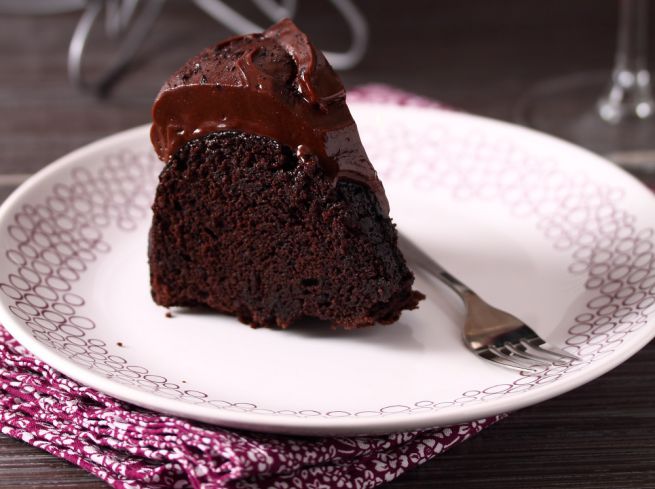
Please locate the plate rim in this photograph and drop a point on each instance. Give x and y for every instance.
(319, 425)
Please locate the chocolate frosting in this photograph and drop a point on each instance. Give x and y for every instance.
(275, 84)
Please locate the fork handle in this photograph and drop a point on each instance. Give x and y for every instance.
(432, 267)
(484, 322)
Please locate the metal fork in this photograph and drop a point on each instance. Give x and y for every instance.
(491, 333)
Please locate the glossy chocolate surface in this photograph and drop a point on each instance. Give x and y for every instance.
(274, 84)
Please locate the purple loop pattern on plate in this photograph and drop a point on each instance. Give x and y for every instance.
(56, 240)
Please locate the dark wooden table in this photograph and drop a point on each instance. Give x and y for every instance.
(474, 54)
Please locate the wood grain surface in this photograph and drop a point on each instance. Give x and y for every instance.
(478, 55)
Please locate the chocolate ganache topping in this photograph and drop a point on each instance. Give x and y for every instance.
(275, 84)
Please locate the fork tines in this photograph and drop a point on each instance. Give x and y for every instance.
(527, 354)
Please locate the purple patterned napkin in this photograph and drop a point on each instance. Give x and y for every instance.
(129, 447)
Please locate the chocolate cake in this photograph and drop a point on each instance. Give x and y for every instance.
(268, 208)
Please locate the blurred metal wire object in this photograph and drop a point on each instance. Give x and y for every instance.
(120, 19)
(133, 19)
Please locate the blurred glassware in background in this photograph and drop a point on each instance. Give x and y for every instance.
(615, 119)
(128, 22)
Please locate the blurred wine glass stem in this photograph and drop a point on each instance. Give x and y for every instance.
(629, 95)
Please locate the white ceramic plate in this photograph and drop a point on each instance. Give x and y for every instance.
(539, 227)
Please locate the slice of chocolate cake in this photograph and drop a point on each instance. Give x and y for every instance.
(268, 207)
